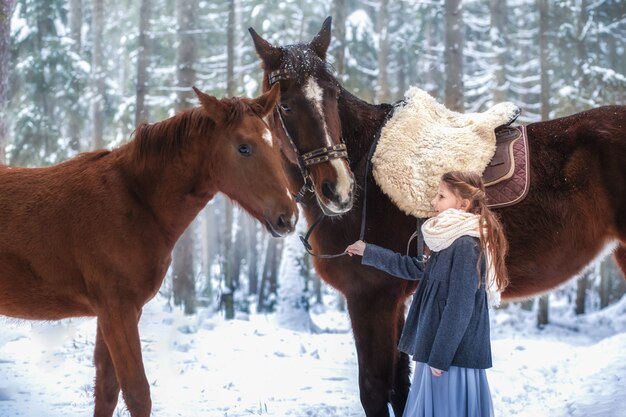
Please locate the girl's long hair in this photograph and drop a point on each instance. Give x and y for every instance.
(469, 185)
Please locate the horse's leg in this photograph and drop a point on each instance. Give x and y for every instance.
(118, 325)
(402, 381)
(375, 331)
(107, 388)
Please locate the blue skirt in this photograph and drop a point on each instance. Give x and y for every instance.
(460, 392)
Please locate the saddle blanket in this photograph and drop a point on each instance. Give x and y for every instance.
(507, 177)
(423, 140)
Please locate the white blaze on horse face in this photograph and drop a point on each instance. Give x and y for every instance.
(267, 137)
(344, 181)
(315, 94)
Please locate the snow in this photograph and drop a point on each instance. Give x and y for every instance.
(362, 24)
(205, 365)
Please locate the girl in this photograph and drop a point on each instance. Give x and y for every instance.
(447, 327)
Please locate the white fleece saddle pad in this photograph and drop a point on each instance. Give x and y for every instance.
(423, 140)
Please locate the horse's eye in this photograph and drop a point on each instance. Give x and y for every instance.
(245, 150)
(285, 108)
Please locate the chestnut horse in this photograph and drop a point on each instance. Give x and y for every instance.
(93, 236)
(575, 207)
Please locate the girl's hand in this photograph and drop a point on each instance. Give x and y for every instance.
(357, 248)
(436, 372)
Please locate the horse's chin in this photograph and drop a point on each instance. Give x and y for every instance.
(331, 209)
(275, 233)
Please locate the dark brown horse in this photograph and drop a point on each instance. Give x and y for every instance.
(93, 236)
(576, 206)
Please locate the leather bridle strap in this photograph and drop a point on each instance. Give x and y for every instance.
(368, 170)
(317, 156)
(321, 155)
(324, 154)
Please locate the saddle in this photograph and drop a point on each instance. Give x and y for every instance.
(422, 139)
(507, 176)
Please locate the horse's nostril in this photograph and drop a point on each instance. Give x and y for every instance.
(285, 222)
(328, 190)
(281, 222)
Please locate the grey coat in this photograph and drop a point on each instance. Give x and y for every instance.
(448, 322)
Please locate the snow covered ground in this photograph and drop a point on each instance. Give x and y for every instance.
(206, 366)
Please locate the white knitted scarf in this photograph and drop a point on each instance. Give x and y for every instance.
(440, 231)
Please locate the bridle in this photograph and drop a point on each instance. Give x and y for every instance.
(317, 156)
(320, 155)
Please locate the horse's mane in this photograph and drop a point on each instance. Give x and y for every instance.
(168, 137)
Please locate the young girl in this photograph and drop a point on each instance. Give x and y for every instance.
(447, 327)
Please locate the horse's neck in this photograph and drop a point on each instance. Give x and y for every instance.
(173, 186)
(361, 123)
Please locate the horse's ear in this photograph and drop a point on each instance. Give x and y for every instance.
(269, 54)
(320, 42)
(211, 105)
(268, 101)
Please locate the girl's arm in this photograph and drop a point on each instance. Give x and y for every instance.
(401, 266)
(459, 304)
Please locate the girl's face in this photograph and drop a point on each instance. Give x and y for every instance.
(446, 199)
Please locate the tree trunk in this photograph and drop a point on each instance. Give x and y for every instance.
(383, 51)
(317, 288)
(543, 59)
(6, 11)
(237, 250)
(230, 50)
(75, 119)
(612, 284)
(542, 314)
(339, 32)
(185, 58)
(212, 249)
(183, 277)
(604, 291)
(453, 55)
(76, 23)
(253, 259)
(528, 305)
(581, 292)
(142, 114)
(499, 41)
(402, 57)
(432, 79)
(228, 290)
(97, 74)
(581, 52)
(269, 281)
(202, 253)
(275, 263)
(186, 53)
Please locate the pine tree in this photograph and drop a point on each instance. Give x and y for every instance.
(45, 79)
(6, 11)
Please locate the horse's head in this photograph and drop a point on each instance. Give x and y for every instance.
(248, 165)
(307, 117)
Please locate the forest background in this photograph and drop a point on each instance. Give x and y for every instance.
(78, 75)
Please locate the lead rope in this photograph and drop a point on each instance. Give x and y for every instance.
(420, 241)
